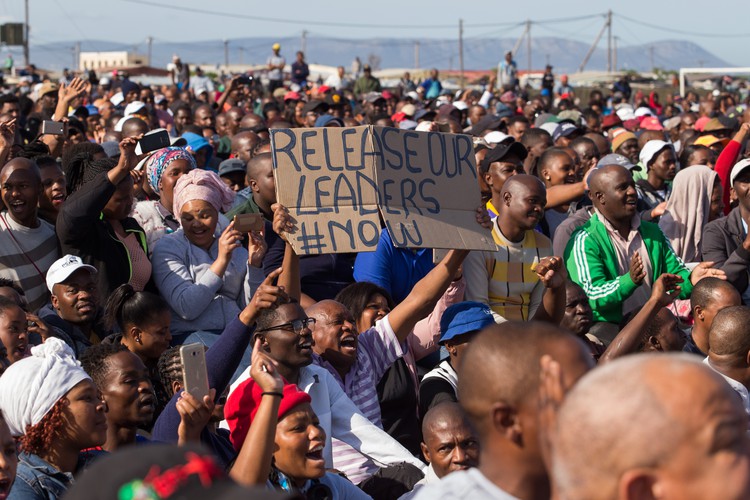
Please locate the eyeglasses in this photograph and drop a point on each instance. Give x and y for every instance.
(296, 326)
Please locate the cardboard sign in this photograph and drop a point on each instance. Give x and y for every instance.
(338, 182)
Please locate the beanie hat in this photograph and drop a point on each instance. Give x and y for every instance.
(243, 403)
(619, 136)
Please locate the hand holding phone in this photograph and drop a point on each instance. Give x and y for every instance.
(194, 372)
(152, 141)
(246, 223)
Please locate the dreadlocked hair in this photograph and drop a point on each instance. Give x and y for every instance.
(170, 370)
(38, 438)
(33, 150)
(94, 360)
(80, 167)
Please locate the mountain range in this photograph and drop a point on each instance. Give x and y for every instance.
(479, 53)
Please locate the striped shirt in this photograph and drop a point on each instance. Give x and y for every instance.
(21, 249)
(503, 279)
(377, 350)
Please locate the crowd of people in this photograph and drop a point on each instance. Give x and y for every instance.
(620, 226)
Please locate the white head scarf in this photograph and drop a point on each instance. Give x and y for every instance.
(31, 386)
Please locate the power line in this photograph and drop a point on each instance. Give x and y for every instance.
(72, 21)
(684, 32)
(307, 22)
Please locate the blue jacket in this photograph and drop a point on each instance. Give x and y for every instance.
(37, 479)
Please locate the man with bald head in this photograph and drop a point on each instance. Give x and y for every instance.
(602, 144)
(521, 280)
(631, 430)
(709, 296)
(498, 388)
(28, 244)
(449, 444)
(729, 349)
(261, 190)
(133, 127)
(615, 257)
(243, 144)
(252, 122)
(358, 360)
(203, 116)
(233, 116)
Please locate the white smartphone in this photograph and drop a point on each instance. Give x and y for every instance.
(194, 373)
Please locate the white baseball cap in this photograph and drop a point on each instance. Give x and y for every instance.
(737, 170)
(62, 268)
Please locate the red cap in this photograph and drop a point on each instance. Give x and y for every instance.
(398, 117)
(386, 94)
(323, 89)
(632, 124)
(610, 121)
(292, 96)
(243, 403)
(701, 122)
(651, 123)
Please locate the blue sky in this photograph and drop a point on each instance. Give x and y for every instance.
(130, 23)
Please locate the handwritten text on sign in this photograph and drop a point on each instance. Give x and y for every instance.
(337, 181)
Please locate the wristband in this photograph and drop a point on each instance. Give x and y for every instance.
(272, 393)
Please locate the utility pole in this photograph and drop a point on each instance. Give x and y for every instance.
(609, 41)
(528, 47)
(226, 53)
(614, 54)
(461, 49)
(303, 42)
(26, 57)
(76, 51)
(150, 42)
(651, 56)
(242, 55)
(416, 54)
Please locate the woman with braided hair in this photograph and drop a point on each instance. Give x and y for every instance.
(54, 409)
(94, 222)
(75, 161)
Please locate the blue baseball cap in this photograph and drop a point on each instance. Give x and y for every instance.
(464, 317)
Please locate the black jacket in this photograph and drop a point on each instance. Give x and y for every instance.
(722, 244)
(83, 231)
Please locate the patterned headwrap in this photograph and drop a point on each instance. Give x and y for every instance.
(160, 160)
(203, 185)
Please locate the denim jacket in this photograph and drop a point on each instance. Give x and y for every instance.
(36, 479)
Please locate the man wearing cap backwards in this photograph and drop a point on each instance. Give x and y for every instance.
(75, 312)
(499, 388)
(28, 245)
(521, 280)
(630, 430)
(615, 257)
(275, 64)
(459, 324)
(726, 241)
(366, 83)
(232, 172)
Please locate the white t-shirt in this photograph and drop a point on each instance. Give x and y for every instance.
(463, 484)
(275, 74)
